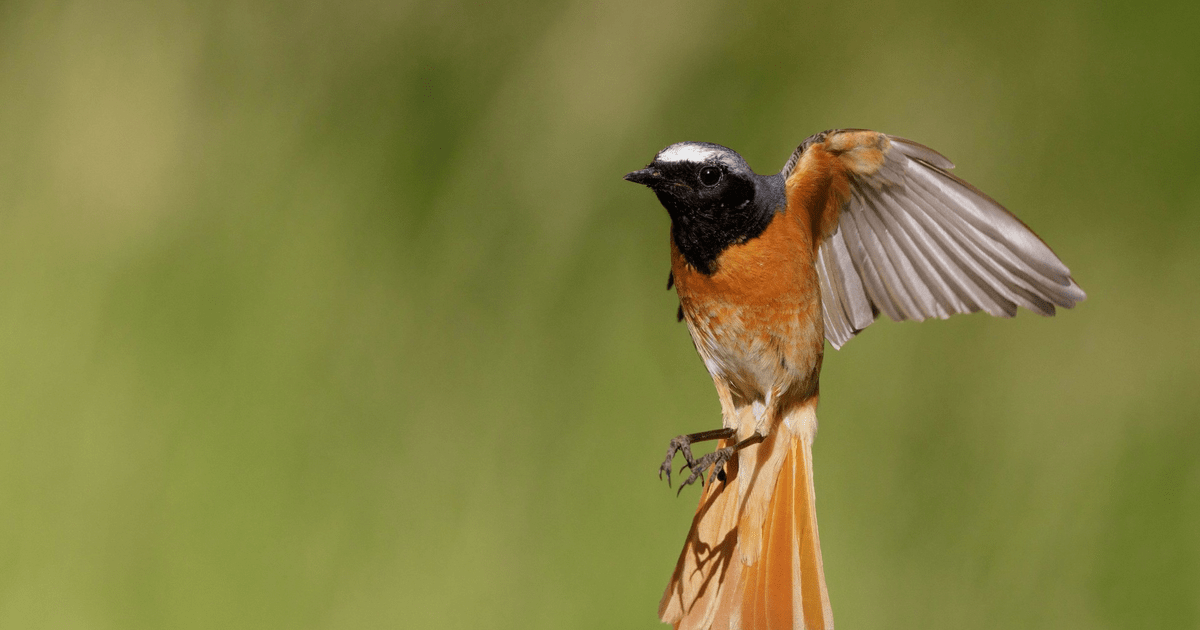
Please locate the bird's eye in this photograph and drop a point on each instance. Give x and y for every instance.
(710, 175)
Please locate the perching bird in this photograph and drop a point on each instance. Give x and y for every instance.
(769, 267)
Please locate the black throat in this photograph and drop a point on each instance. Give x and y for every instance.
(703, 229)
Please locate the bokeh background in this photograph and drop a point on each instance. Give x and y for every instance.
(339, 314)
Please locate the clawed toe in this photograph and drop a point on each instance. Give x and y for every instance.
(716, 460)
(683, 444)
(679, 444)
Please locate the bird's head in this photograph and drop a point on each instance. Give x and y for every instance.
(714, 198)
(698, 178)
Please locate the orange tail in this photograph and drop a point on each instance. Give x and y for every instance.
(752, 560)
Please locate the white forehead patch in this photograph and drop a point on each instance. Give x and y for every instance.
(697, 154)
(686, 152)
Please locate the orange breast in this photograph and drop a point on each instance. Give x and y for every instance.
(756, 320)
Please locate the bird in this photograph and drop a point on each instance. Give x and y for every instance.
(768, 268)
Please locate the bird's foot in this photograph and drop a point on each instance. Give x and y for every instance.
(679, 444)
(716, 459)
(683, 444)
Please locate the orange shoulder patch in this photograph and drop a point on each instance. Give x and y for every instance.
(819, 185)
(862, 152)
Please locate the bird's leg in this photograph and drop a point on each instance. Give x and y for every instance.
(717, 460)
(683, 444)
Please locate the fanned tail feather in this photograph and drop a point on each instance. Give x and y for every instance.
(752, 559)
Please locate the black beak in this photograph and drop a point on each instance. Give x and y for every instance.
(647, 177)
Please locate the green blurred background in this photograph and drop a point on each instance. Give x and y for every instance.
(339, 315)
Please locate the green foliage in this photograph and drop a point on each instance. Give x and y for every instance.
(339, 315)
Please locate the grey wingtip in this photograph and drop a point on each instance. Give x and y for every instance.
(1077, 292)
(1074, 294)
(1067, 297)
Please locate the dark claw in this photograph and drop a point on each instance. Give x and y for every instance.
(679, 444)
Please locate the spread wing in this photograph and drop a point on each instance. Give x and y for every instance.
(899, 234)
